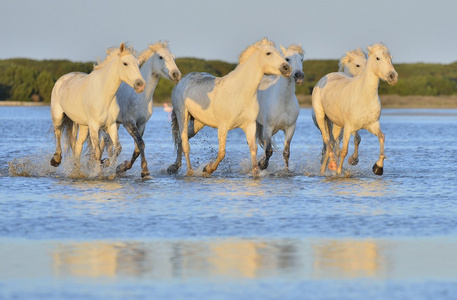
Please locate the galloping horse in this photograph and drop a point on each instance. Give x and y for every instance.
(351, 64)
(224, 103)
(279, 107)
(353, 103)
(136, 108)
(87, 102)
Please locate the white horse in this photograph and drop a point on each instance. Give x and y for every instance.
(353, 103)
(136, 108)
(224, 103)
(87, 102)
(279, 107)
(351, 64)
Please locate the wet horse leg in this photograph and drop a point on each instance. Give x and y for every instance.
(344, 150)
(378, 167)
(222, 137)
(288, 135)
(82, 136)
(354, 158)
(137, 135)
(252, 143)
(184, 127)
(329, 154)
(57, 121)
(267, 133)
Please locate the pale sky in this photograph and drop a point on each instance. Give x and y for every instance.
(81, 30)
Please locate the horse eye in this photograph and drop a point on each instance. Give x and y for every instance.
(160, 57)
(358, 66)
(126, 64)
(377, 58)
(268, 53)
(287, 59)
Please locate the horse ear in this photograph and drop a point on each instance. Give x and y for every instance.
(122, 47)
(348, 57)
(283, 50)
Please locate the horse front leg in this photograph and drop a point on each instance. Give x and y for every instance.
(288, 135)
(222, 137)
(95, 140)
(378, 167)
(252, 143)
(267, 133)
(354, 158)
(137, 136)
(344, 149)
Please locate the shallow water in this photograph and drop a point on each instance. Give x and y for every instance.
(229, 236)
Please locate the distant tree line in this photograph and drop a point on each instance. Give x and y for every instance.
(32, 80)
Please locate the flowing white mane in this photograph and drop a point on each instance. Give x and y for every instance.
(110, 54)
(345, 60)
(148, 52)
(297, 48)
(380, 46)
(252, 48)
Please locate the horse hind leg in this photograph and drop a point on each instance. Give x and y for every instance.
(173, 169)
(60, 121)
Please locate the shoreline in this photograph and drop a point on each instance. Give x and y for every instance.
(387, 101)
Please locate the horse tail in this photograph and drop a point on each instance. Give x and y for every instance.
(259, 134)
(175, 128)
(69, 131)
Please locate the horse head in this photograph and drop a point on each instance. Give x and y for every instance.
(129, 71)
(353, 62)
(269, 59)
(294, 55)
(382, 63)
(162, 61)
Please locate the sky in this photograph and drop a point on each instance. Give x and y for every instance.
(81, 30)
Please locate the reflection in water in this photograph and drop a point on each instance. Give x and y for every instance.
(232, 259)
(225, 258)
(347, 259)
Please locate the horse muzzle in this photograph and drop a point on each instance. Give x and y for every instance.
(286, 70)
(175, 76)
(299, 77)
(139, 85)
(392, 78)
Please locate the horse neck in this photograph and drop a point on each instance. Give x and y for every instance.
(246, 78)
(107, 80)
(368, 80)
(287, 86)
(151, 79)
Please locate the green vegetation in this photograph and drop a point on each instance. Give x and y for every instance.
(26, 79)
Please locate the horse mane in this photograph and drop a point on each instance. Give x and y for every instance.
(111, 53)
(349, 55)
(296, 48)
(148, 52)
(379, 46)
(252, 48)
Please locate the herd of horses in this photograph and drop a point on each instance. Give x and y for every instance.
(258, 96)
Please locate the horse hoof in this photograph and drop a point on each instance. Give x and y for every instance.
(145, 174)
(263, 164)
(54, 163)
(172, 169)
(353, 161)
(377, 169)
